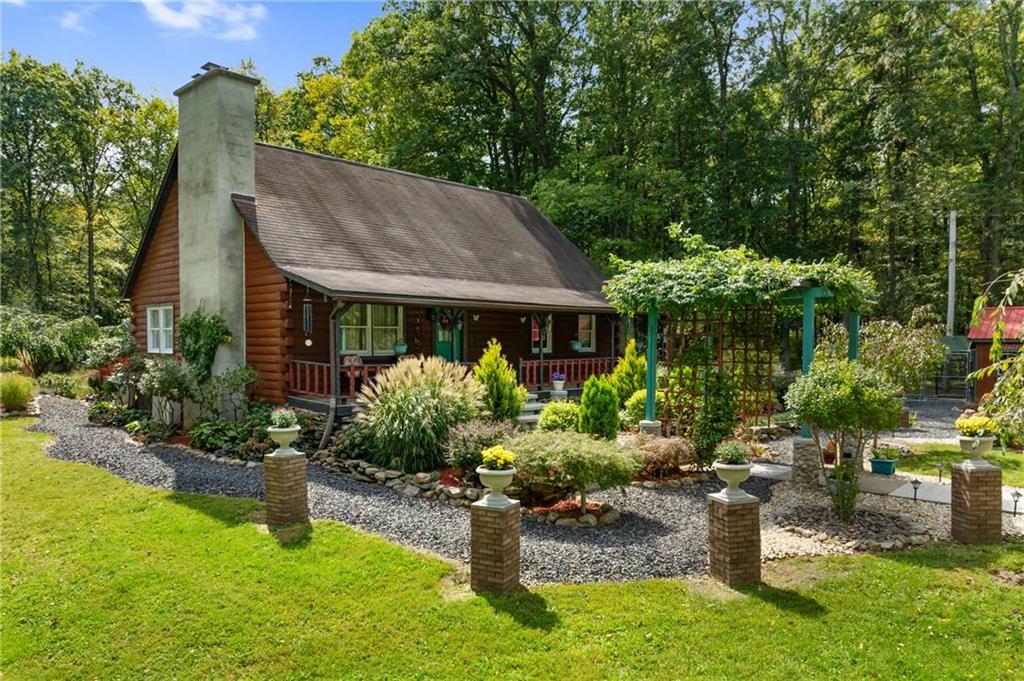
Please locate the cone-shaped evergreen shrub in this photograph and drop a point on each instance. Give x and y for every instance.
(599, 408)
(503, 396)
(630, 373)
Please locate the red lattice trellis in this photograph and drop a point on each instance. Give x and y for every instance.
(739, 342)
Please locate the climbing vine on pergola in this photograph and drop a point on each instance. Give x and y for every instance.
(717, 295)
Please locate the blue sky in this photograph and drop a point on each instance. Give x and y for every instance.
(158, 45)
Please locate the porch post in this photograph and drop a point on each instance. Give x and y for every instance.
(339, 309)
(650, 424)
(807, 343)
(853, 331)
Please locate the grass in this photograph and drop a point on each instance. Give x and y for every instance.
(102, 578)
(926, 459)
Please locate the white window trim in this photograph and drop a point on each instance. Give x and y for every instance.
(549, 343)
(158, 348)
(593, 333)
(368, 351)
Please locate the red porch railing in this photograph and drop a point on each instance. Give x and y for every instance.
(576, 370)
(314, 378)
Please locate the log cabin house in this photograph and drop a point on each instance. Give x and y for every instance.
(325, 266)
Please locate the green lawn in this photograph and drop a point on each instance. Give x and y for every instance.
(926, 459)
(105, 579)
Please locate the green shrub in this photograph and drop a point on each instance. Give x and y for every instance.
(146, 429)
(10, 365)
(411, 407)
(214, 435)
(844, 483)
(569, 460)
(107, 413)
(46, 341)
(630, 373)
(560, 415)
(716, 416)
(199, 336)
(15, 391)
(354, 442)
(636, 406)
(73, 386)
(731, 452)
(467, 440)
(503, 396)
(113, 343)
(599, 408)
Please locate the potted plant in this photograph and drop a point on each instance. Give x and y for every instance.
(496, 473)
(284, 428)
(829, 455)
(977, 434)
(731, 466)
(558, 380)
(883, 461)
(401, 347)
(575, 345)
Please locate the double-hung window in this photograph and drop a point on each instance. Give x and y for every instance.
(371, 330)
(586, 332)
(160, 329)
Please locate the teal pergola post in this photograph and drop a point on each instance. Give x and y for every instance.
(652, 363)
(853, 331)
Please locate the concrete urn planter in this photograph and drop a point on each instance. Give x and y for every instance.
(976, 446)
(496, 481)
(732, 475)
(284, 437)
(558, 385)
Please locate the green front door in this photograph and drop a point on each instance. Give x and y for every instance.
(448, 334)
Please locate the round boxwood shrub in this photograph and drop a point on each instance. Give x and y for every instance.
(560, 415)
(573, 461)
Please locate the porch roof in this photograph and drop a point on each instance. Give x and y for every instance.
(358, 231)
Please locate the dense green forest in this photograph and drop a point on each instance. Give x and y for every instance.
(803, 129)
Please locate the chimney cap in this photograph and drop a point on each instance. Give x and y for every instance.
(211, 70)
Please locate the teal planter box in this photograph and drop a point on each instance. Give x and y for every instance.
(883, 466)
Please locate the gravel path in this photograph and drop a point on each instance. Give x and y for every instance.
(662, 532)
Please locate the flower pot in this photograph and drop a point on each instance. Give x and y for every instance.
(558, 385)
(496, 481)
(829, 457)
(976, 446)
(575, 345)
(284, 437)
(732, 474)
(883, 466)
(401, 348)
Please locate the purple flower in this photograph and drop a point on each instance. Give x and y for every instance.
(557, 376)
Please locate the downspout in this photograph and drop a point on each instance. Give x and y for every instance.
(339, 309)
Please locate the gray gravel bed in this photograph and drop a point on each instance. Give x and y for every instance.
(662, 532)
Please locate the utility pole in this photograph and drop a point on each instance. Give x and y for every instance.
(951, 291)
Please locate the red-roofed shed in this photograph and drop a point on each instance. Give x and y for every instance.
(980, 336)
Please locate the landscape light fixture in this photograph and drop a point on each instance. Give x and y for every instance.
(1016, 498)
(915, 483)
(942, 464)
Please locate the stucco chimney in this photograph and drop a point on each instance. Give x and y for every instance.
(216, 157)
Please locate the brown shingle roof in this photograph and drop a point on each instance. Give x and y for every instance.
(357, 230)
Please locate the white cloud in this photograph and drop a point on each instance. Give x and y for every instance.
(224, 20)
(72, 19)
(12, 2)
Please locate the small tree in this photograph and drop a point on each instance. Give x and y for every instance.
(846, 403)
(169, 383)
(599, 408)
(503, 396)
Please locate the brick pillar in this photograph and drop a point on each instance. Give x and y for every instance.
(806, 463)
(977, 511)
(734, 538)
(287, 496)
(494, 545)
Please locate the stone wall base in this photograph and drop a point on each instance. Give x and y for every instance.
(287, 494)
(734, 540)
(977, 513)
(494, 547)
